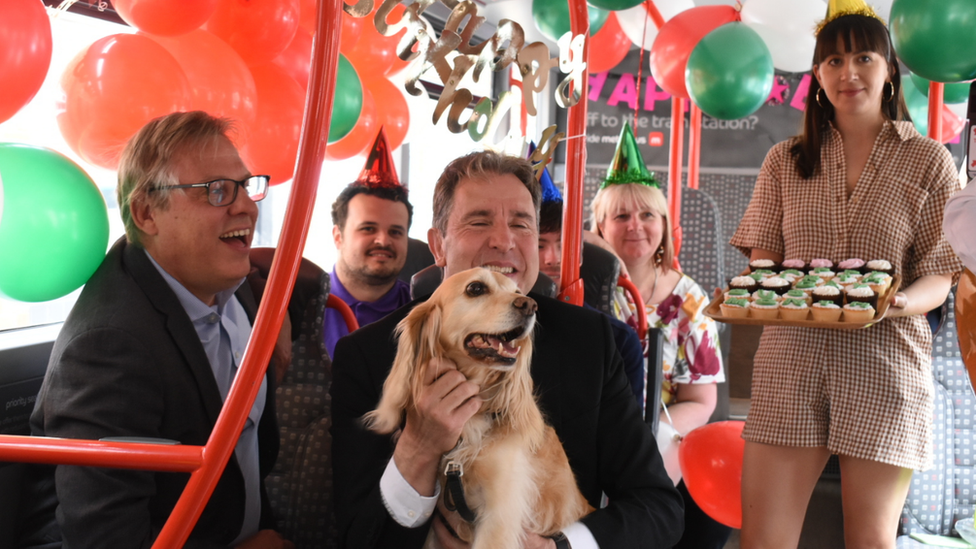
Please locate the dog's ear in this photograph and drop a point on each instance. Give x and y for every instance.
(519, 398)
(416, 345)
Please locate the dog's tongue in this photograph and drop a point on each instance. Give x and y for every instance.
(505, 348)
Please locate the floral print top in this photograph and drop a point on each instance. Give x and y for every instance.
(691, 351)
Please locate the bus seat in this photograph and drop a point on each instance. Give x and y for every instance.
(300, 485)
(418, 259)
(599, 270)
(427, 280)
(937, 498)
(702, 257)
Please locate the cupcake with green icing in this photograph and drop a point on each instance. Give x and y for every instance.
(825, 311)
(766, 294)
(791, 275)
(794, 309)
(879, 282)
(825, 273)
(735, 308)
(798, 294)
(738, 294)
(858, 311)
(828, 293)
(766, 308)
(862, 293)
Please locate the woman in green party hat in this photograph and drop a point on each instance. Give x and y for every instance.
(858, 184)
(630, 213)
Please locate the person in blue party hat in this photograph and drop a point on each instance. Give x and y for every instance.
(370, 220)
(630, 212)
(550, 263)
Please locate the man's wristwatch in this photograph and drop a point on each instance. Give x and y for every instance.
(561, 541)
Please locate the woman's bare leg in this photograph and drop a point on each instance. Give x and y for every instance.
(874, 494)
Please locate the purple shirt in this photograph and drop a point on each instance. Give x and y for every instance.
(366, 312)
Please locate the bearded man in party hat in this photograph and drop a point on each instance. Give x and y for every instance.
(631, 213)
(370, 220)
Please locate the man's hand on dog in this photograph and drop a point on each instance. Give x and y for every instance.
(445, 404)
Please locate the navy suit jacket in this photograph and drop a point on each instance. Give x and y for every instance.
(584, 394)
(128, 363)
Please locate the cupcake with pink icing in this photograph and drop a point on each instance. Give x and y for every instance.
(818, 263)
(797, 264)
(852, 265)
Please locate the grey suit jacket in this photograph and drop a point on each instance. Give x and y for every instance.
(128, 362)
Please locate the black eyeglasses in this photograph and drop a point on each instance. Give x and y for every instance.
(223, 192)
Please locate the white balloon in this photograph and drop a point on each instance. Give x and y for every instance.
(519, 11)
(632, 20)
(787, 27)
(667, 444)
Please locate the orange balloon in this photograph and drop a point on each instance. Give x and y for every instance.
(608, 46)
(221, 83)
(114, 87)
(165, 17)
(359, 139)
(711, 465)
(966, 321)
(272, 142)
(25, 53)
(258, 29)
(297, 58)
(374, 53)
(351, 26)
(391, 109)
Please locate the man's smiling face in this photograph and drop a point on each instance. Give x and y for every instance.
(373, 244)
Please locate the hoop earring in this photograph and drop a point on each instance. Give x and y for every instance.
(819, 102)
(888, 92)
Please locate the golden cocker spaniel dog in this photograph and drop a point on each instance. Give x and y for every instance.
(516, 476)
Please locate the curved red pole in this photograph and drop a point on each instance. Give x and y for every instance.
(333, 302)
(694, 146)
(935, 110)
(674, 169)
(641, 312)
(572, 237)
(281, 279)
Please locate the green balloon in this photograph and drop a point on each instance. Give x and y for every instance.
(730, 72)
(951, 93)
(934, 38)
(614, 5)
(348, 102)
(918, 106)
(552, 18)
(53, 224)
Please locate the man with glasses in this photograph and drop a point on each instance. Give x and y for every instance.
(153, 344)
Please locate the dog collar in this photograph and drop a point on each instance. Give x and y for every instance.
(454, 494)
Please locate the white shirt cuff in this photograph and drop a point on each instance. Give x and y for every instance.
(405, 504)
(580, 537)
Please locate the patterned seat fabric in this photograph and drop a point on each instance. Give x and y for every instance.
(300, 485)
(946, 493)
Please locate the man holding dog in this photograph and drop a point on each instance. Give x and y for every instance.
(486, 214)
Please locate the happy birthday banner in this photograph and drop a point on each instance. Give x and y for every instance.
(505, 47)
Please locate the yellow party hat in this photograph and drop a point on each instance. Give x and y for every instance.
(840, 8)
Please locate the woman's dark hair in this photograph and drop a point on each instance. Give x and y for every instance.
(859, 33)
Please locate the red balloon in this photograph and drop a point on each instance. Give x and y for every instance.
(258, 29)
(608, 46)
(359, 139)
(711, 465)
(375, 54)
(165, 17)
(951, 125)
(25, 53)
(272, 142)
(351, 26)
(221, 83)
(113, 88)
(676, 39)
(297, 58)
(392, 112)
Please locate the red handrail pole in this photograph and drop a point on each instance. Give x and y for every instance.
(281, 279)
(694, 146)
(654, 13)
(95, 453)
(333, 302)
(935, 110)
(674, 168)
(572, 237)
(640, 310)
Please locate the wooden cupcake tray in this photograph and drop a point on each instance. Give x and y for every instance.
(714, 311)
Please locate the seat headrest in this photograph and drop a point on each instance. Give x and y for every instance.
(599, 270)
(310, 282)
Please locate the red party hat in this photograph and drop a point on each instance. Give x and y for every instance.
(379, 170)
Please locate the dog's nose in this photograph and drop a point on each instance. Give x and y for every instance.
(525, 305)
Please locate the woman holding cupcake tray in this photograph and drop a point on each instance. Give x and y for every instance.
(857, 182)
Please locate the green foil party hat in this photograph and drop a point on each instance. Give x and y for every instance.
(628, 165)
